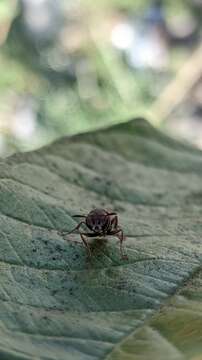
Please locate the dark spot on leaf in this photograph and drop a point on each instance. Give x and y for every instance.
(108, 182)
(194, 197)
(58, 248)
(96, 178)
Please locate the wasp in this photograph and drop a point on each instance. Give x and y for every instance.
(101, 223)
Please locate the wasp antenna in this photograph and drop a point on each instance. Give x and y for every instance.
(79, 216)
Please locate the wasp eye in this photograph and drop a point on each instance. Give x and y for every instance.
(93, 222)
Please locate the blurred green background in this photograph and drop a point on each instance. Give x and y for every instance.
(71, 66)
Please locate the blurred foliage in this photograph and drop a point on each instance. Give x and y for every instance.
(7, 9)
(134, 6)
(92, 87)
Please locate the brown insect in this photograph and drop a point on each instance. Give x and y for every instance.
(101, 223)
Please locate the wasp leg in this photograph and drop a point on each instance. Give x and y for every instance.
(121, 237)
(70, 232)
(111, 213)
(86, 243)
(114, 223)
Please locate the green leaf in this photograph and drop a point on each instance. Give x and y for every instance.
(55, 304)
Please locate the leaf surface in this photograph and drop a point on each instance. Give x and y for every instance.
(55, 304)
